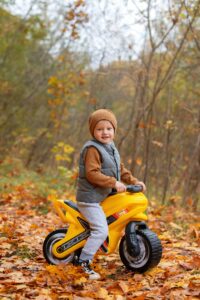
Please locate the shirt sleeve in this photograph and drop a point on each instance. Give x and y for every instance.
(126, 176)
(92, 161)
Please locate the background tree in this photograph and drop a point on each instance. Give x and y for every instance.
(61, 61)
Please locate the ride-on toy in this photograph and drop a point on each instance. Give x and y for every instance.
(139, 247)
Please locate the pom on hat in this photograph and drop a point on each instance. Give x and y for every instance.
(101, 114)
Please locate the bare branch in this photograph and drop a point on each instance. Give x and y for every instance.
(149, 24)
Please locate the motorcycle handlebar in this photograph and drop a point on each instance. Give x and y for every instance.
(134, 188)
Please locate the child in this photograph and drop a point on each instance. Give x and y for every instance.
(100, 171)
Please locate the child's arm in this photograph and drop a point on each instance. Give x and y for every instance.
(96, 178)
(127, 177)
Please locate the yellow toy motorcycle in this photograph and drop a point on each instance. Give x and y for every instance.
(139, 247)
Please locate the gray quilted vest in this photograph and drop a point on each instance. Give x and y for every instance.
(110, 166)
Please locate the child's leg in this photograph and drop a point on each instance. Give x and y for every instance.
(95, 215)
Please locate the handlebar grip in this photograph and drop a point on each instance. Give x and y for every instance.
(134, 188)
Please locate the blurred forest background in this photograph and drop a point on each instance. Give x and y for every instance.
(60, 60)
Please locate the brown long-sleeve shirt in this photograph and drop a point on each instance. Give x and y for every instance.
(94, 175)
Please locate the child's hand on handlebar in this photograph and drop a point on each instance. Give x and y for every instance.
(120, 187)
(142, 184)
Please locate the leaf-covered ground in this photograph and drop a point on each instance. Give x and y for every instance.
(25, 220)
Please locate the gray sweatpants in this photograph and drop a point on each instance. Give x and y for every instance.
(95, 215)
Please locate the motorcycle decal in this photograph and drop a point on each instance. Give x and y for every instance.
(104, 246)
(111, 219)
(120, 213)
(116, 216)
(77, 239)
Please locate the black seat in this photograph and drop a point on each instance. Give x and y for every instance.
(71, 204)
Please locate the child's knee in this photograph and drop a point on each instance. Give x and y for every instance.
(99, 232)
(103, 233)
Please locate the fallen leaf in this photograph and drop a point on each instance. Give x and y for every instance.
(119, 297)
(124, 286)
(175, 226)
(102, 293)
(196, 261)
(80, 281)
(185, 266)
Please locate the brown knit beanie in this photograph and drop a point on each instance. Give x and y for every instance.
(101, 114)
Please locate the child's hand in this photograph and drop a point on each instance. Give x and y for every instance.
(120, 187)
(142, 184)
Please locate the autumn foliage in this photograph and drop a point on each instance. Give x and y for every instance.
(49, 85)
(26, 218)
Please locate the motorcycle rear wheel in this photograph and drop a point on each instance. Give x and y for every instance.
(150, 252)
(49, 241)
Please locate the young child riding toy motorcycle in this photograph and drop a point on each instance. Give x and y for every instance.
(100, 171)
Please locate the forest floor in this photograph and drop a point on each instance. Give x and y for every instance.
(25, 220)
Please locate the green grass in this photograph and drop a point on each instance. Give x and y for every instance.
(13, 174)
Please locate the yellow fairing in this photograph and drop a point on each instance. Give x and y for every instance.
(133, 202)
(120, 209)
(71, 216)
(127, 207)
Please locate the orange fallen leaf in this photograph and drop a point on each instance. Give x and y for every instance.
(186, 266)
(123, 285)
(142, 297)
(80, 281)
(102, 293)
(80, 298)
(196, 261)
(119, 297)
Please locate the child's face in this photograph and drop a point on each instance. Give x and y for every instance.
(104, 132)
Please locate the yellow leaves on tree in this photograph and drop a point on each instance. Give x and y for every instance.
(62, 152)
(64, 91)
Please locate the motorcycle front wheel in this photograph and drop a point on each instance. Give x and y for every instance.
(150, 252)
(49, 241)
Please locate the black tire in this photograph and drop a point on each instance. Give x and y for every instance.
(150, 252)
(49, 241)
